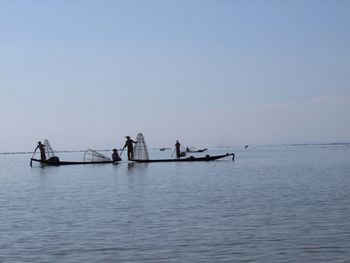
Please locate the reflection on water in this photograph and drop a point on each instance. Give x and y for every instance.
(130, 165)
(273, 204)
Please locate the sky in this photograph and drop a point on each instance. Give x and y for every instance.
(84, 74)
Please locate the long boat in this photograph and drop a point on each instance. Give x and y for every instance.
(188, 159)
(90, 157)
(58, 163)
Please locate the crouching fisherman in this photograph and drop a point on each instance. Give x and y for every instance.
(115, 156)
(54, 160)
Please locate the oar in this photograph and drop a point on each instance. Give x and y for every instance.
(31, 159)
(173, 152)
(120, 156)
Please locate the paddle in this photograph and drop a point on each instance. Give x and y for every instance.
(121, 153)
(31, 159)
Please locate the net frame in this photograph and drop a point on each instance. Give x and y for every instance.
(94, 156)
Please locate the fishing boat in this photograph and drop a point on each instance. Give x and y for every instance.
(141, 154)
(189, 150)
(163, 149)
(58, 162)
(188, 159)
(90, 157)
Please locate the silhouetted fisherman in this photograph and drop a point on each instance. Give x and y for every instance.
(129, 143)
(42, 151)
(177, 149)
(115, 156)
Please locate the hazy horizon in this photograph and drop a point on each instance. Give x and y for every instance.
(170, 147)
(85, 74)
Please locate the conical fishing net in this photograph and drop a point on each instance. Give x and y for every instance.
(93, 156)
(48, 149)
(140, 148)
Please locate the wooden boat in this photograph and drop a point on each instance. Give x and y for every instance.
(197, 151)
(90, 157)
(163, 149)
(58, 163)
(189, 159)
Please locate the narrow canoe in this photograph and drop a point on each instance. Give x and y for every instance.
(189, 159)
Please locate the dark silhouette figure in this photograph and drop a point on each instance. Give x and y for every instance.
(129, 143)
(115, 156)
(42, 151)
(177, 149)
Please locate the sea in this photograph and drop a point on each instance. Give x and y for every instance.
(279, 203)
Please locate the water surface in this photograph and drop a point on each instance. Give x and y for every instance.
(273, 204)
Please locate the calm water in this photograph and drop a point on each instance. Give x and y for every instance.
(273, 204)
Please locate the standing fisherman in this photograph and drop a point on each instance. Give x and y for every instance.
(42, 151)
(177, 148)
(129, 143)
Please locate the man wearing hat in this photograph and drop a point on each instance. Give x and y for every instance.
(129, 143)
(115, 156)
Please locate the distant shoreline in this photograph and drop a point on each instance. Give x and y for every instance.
(320, 144)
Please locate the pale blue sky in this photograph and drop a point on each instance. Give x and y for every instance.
(208, 73)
